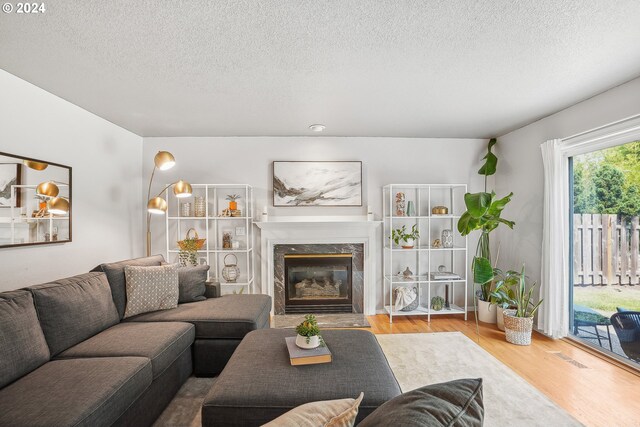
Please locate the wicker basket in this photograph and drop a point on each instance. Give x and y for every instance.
(191, 244)
(518, 329)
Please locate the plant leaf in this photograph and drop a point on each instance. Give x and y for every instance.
(477, 203)
(482, 270)
(491, 161)
(467, 224)
(497, 206)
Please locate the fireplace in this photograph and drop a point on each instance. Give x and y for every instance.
(319, 283)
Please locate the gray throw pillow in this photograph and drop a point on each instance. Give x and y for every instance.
(191, 282)
(151, 289)
(454, 403)
(22, 344)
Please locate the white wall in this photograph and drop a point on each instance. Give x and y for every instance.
(520, 169)
(248, 160)
(106, 162)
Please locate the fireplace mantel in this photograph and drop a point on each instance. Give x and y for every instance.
(321, 230)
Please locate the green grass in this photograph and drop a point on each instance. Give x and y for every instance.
(607, 298)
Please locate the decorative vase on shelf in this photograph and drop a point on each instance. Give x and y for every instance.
(307, 343)
(185, 209)
(411, 210)
(447, 238)
(199, 206)
(400, 204)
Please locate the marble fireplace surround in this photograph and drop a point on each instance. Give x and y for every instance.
(357, 273)
(341, 232)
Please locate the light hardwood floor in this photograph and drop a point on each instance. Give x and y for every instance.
(593, 390)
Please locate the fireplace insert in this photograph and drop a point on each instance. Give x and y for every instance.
(318, 283)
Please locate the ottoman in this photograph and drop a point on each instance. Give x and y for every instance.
(259, 383)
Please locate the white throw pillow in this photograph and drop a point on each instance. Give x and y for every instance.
(326, 413)
(151, 288)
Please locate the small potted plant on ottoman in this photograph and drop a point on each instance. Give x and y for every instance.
(308, 333)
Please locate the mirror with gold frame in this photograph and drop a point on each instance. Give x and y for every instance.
(35, 201)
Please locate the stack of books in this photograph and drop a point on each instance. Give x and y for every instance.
(299, 356)
(445, 275)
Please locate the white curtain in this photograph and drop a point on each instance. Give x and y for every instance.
(553, 315)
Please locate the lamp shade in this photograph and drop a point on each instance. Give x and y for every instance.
(157, 206)
(182, 189)
(59, 206)
(38, 166)
(164, 160)
(47, 189)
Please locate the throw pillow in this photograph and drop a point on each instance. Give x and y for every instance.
(327, 413)
(454, 403)
(191, 282)
(151, 288)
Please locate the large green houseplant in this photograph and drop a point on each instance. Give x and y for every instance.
(483, 214)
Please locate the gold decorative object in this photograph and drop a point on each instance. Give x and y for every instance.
(38, 166)
(439, 210)
(58, 206)
(47, 189)
(164, 160)
(436, 244)
(157, 206)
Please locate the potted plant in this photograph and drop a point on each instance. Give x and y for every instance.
(233, 204)
(503, 293)
(408, 239)
(518, 323)
(309, 333)
(483, 214)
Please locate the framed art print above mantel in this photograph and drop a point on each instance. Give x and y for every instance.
(317, 183)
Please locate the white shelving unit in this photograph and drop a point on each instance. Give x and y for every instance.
(23, 228)
(423, 258)
(212, 227)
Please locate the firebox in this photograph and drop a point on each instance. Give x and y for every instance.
(318, 283)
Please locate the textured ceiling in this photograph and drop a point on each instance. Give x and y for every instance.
(448, 68)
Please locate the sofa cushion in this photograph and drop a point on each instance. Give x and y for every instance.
(160, 342)
(230, 316)
(454, 403)
(74, 309)
(22, 344)
(117, 281)
(151, 288)
(75, 392)
(192, 282)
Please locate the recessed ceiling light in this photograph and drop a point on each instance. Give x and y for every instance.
(317, 128)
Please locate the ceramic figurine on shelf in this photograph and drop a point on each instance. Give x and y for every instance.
(436, 244)
(407, 273)
(400, 204)
(226, 240)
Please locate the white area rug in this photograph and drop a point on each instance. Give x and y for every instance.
(421, 359)
(418, 360)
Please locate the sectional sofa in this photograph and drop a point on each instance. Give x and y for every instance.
(68, 358)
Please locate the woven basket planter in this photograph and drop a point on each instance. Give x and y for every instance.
(518, 329)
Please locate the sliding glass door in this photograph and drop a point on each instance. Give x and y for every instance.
(605, 249)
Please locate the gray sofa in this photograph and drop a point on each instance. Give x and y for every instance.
(68, 359)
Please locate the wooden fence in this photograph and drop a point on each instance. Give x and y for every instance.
(605, 250)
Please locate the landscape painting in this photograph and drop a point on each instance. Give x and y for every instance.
(9, 175)
(317, 183)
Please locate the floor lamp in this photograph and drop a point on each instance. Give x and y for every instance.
(157, 205)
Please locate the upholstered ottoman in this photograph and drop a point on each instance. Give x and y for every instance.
(259, 384)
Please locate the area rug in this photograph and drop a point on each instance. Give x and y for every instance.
(420, 359)
(417, 360)
(343, 320)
